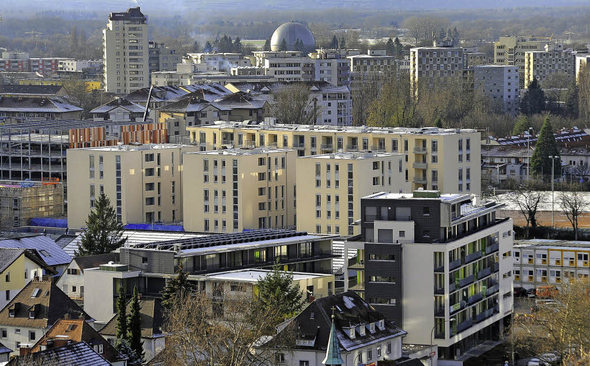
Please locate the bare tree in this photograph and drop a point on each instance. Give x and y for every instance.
(573, 204)
(560, 326)
(528, 201)
(204, 331)
(294, 104)
(424, 28)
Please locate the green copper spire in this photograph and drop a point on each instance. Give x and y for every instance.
(333, 351)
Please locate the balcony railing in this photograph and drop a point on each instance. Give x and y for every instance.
(327, 146)
(496, 267)
(492, 290)
(483, 273)
(420, 180)
(455, 264)
(466, 281)
(473, 256)
(419, 150)
(439, 311)
(492, 248)
(475, 298)
(484, 315)
(440, 269)
(439, 290)
(456, 307)
(352, 147)
(466, 324)
(420, 165)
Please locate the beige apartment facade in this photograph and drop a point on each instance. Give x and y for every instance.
(239, 189)
(447, 160)
(541, 64)
(143, 182)
(335, 183)
(511, 51)
(126, 52)
(430, 65)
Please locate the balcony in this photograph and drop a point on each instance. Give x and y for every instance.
(475, 298)
(466, 324)
(420, 180)
(455, 264)
(466, 281)
(492, 248)
(440, 312)
(327, 146)
(299, 145)
(492, 289)
(440, 269)
(456, 307)
(484, 315)
(377, 148)
(354, 264)
(420, 150)
(439, 290)
(452, 287)
(420, 165)
(352, 147)
(483, 273)
(496, 267)
(472, 257)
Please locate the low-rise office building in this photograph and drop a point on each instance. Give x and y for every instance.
(143, 182)
(440, 266)
(333, 185)
(241, 189)
(447, 160)
(549, 262)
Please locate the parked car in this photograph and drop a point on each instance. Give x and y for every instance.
(519, 292)
(531, 292)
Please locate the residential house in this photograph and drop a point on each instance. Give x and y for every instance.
(79, 353)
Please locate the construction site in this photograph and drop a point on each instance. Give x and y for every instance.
(20, 201)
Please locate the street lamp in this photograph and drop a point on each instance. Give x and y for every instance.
(553, 157)
(528, 153)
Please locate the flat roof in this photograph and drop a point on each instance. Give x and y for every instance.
(143, 147)
(238, 151)
(552, 244)
(447, 197)
(351, 155)
(253, 275)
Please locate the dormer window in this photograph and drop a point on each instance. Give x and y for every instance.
(350, 332)
(361, 330)
(372, 327)
(36, 292)
(11, 312)
(381, 324)
(32, 312)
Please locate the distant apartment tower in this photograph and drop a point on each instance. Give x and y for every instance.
(438, 265)
(511, 51)
(162, 58)
(431, 65)
(500, 83)
(126, 52)
(542, 64)
(239, 189)
(332, 185)
(143, 183)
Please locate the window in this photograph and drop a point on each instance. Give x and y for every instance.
(149, 157)
(389, 348)
(402, 234)
(31, 335)
(7, 295)
(149, 172)
(4, 333)
(149, 201)
(7, 277)
(149, 186)
(261, 191)
(426, 211)
(303, 363)
(369, 355)
(261, 176)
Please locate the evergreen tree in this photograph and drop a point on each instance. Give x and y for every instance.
(134, 336)
(571, 101)
(196, 47)
(277, 291)
(122, 314)
(399, 48)
(522, 124)
(238, 45)
(334, 43)
(544, 148)
(122, 346)
(534, 99)
(208, 47)
(177, 286)
(342, 43)
(283, 45)
(390, 47)
(103, 232)
(266, 45)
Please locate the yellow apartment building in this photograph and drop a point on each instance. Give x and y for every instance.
(511, 51)
(237, 189)
(143, 182)
(447, 160)
(334, 184)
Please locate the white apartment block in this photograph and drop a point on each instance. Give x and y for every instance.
(126, 52)
(541, 64)
(429, 65)
(500, 83)
(71, 65)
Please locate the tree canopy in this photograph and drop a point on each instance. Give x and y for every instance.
(533, 100)
(277, 291)
(178, 286)
(103, 232)
(545, 147)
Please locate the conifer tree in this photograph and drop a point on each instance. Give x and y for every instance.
(545, 147)
(334, 43)
(178, 286)
(277, 291)
(398, 48)
(534, 99)
(283, 45)
(390, 47)
(266, 46)
(134, 336)
(103, 232)
(122, 314)
(342, 43)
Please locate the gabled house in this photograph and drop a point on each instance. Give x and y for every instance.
(4, 353)
(71, 354)
(118, 109)
(17, 268)
(33, 311)
(364, 335)
(66, 331)
(53, 256)
(71, 281)
(152, 320)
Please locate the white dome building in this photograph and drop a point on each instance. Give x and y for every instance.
(291, 32)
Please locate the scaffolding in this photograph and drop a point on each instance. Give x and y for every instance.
(20, 201)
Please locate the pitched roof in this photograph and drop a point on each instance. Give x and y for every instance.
(48, 303)
(72, 354)
(18, 89)
(36, 104)
(350, 310)
(151, 319)
(119, 103)
(76, 330)
(92, 261)
(47, 249)
(4, 349)
(9, 255)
